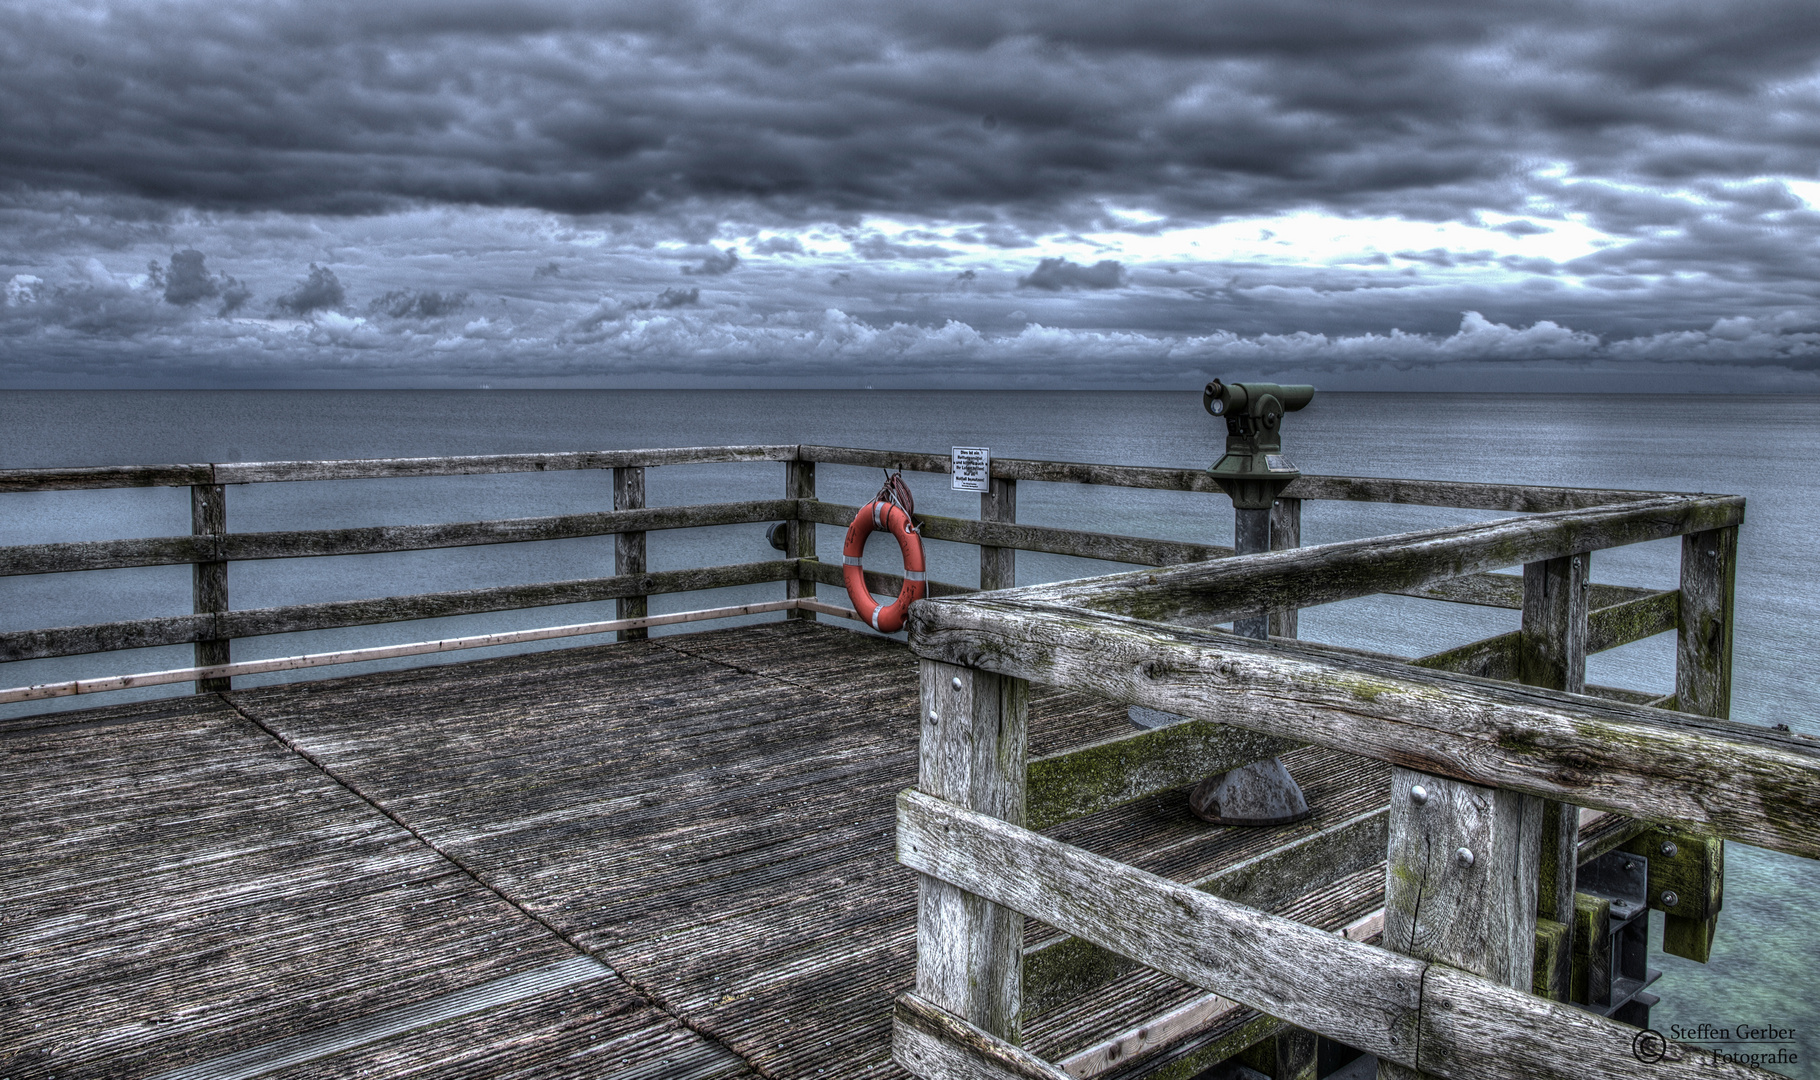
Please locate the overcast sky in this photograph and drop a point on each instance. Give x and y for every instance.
(1135, 194)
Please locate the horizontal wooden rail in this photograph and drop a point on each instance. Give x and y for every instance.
(1305, 577)
(74, 687)
(260, 472)
(1135, 765)
(1498, 657)
(1086, 545)
(879, 583)
(182, 629)
(1061, 968)
(312, 543)
(1745, 783)
(1426, 1016)
(1465, 495)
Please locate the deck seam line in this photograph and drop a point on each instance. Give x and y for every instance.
(755, 673)
(637, 989)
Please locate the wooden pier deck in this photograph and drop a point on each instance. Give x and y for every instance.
(662, 858)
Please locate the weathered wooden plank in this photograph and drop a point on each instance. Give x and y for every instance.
(1552, 654)
(882, 584)
(1230, 588)
(1045, 538)
(1462, 880)
(256, 472)
(1746, 783)
(1371, 998)
(629, 546)
(1129, 767)
(933, 1043)
(183, 629)
(1494, 657)
(1363, 996)
(209, 580)
(1474, 1028)
(1621, 624)
(799, 534)
(313, 543)
(1703, 650)
(1285, 535)
(1468, 495)
(969, 951)
(94, 478)
(998, 565)
(1060, 967)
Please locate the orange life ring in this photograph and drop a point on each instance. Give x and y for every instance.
(877, 514)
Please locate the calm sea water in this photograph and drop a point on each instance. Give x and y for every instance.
(1766, 968)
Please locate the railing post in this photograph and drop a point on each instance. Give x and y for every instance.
(969, 952)
(1703, 646)
(1296, 1057)
(1461, 880)
(629, 547)
(1285, 533)
(799, 534)
(1553, 655)
(209, 584)
(998, 566)
(1703, 685)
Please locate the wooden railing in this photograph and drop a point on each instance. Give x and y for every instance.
(1621, 615)
(1481, 836)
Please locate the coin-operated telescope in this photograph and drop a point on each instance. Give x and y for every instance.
(1254, 471)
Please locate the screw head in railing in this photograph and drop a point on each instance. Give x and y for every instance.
(934, 716)
(1418, 794)
(1668, 848)
(957, 682)
(1669, 899)
(1464, 855)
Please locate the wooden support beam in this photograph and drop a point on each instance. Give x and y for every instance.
(1362, 995)
(799, 533)
(969, 951)
(209, 580)
(998, 565)
(629, 547)
(1232, 588)
(1743, 782)
(1129, 767)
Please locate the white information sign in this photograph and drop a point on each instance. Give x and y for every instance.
(972, 468)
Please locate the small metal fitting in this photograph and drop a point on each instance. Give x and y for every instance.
(957, 682)
(1668, 848)
(1669, 898)
(1464, 855)
(1418, 794)
(934, 716)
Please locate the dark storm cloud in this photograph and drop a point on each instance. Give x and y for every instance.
(1058, 274)
(715, 263)
(321, 291)
(675, 298)
(1415, 107)
(414, 303)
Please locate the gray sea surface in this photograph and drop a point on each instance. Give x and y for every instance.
(1766, 965)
